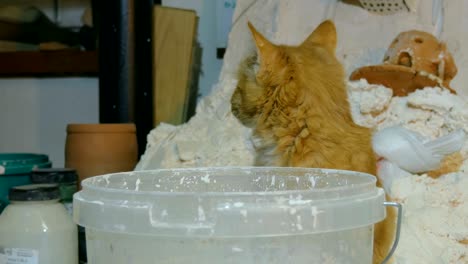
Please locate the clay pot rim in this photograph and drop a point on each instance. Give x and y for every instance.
(101, 128)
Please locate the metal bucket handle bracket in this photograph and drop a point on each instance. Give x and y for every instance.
(397, 231)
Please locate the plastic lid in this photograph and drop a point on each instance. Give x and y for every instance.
(34, 192)
(54, 175)
(229, 202)
(22, 163)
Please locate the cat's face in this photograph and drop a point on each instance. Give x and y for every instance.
(271, 79)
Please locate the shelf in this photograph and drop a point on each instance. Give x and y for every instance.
(49, 63)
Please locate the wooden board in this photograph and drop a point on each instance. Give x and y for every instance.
(174, 32)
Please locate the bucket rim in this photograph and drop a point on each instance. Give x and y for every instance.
(88, 182)
(293, 206)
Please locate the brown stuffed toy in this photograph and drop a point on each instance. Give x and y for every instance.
(414, 60)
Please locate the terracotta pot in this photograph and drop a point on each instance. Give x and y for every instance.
(96, 149)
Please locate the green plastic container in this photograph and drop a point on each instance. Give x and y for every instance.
(15, 169)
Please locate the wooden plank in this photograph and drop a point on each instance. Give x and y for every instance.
(48, 63)
(174, 32)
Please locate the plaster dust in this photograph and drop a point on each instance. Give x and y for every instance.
(435, 222)
(435, 225)
(213, 137)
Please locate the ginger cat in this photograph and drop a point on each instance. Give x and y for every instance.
(295, 99)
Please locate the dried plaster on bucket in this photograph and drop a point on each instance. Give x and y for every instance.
(257, 215)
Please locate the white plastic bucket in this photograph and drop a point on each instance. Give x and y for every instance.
(230, 215)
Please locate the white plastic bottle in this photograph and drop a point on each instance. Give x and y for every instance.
(36, 229)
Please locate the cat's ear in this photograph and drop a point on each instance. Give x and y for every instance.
(324, 35)
(264, 47)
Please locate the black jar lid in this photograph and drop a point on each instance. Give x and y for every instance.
(54, 175)
(34, 192)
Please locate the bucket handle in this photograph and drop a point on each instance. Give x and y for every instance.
(397, 231)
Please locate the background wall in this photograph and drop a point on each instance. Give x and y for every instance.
(34, 112)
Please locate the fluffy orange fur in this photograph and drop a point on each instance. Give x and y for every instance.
(295, 100)
(449, 164)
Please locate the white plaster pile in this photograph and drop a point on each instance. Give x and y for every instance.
(432, 112)
(213, 137)
(435, 222)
